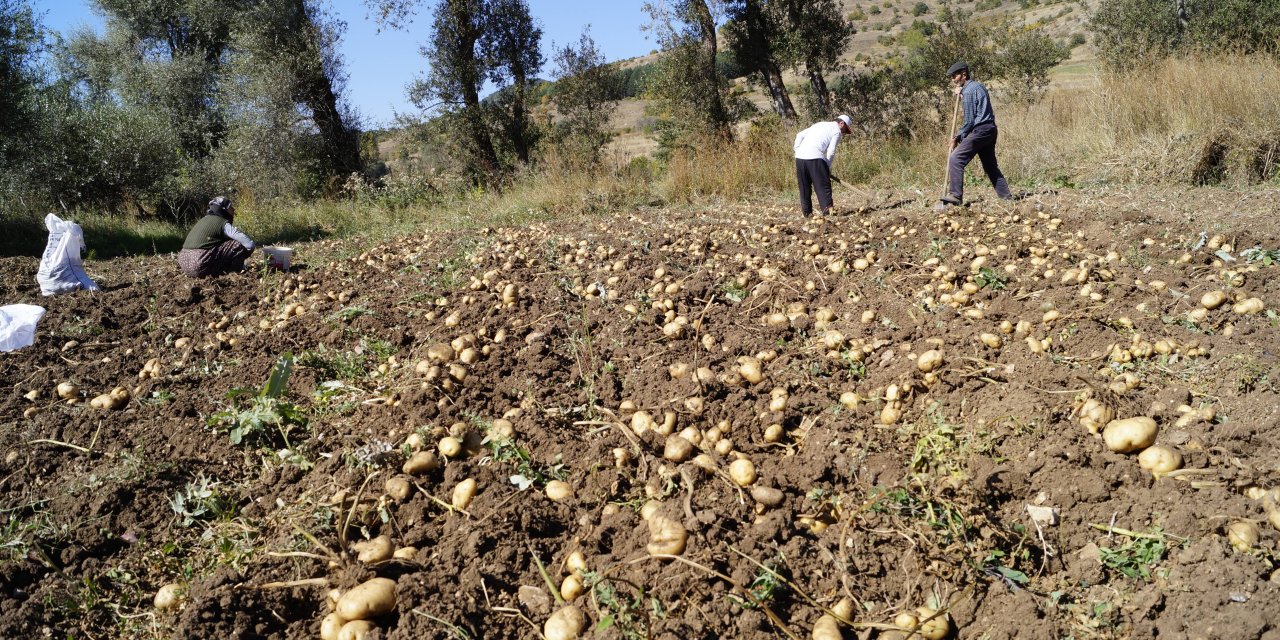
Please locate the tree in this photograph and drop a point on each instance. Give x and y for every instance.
(753, 35)
(816, 36)
(291, 46)
(168, 56)
(586, 95)
(19, 43)
(512, 39)
(687, 79)
(1132, 33)
(473, 41)
(455, 77)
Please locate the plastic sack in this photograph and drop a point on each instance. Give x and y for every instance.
(18, 325)
(61, 270)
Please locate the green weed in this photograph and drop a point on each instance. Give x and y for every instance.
(264, 413)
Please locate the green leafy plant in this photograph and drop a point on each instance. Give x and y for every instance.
(764, 588)
(255, 416)
(621, 610)
(1136, 557)
(198, 501)
(989, 278)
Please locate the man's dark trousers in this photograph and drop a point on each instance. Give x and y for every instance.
(982, 143)
(814, 175)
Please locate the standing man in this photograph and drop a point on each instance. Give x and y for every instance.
(815, 148)
(977, 136)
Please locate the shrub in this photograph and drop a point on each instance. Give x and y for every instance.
(1134, 33)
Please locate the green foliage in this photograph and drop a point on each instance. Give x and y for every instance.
(989, 278)
(765, 587)
(586, 95)
(504, 450)
(899, 97)
(687, 82)
(1135, 558)
(1133, 33)
(264, 413)
(622, 610)
(919, 9)
(200, 500)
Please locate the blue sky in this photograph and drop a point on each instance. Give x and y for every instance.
(381, 64)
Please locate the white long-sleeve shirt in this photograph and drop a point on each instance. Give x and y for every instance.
(818, 141)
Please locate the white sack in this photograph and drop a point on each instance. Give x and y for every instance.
(61, 270)
(18, 325)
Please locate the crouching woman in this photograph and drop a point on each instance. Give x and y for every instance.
(214, 245)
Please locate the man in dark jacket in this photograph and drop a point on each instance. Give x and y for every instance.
(214, 245)
(977, 136)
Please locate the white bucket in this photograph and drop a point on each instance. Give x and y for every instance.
(278, 257)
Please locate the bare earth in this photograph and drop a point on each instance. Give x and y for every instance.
(652, 311)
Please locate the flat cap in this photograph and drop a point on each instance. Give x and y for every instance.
(957, 68)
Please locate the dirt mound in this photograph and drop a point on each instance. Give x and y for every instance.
(910, 390)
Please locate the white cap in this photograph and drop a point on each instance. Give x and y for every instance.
(848, 122)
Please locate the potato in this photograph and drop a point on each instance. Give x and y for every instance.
(1273, 517)
(571, 588)
(750, 369)
(666, 535)
(1213, 299)
(559, 490)
(356, 630)
(826, 628)
(1095, 414)
(575, 563)
(375, 550)
(1249, 306)
(891, 413)
(743, 472)
(368, 599)
(1159, 460)
(677, 448)
(929, 360)
(118, 397)
(565, 624)
(1243, 535)
(1130, 434)
(463, 493)
(450, 447)
(906, 620)
(421, 463)
(935, 629)
(648, 509)
(641, 422)
(398, 487)
(990, 339)
(330, 626)
(843, 609)
(67, 390)
(773, 433)
(169, 596)
(405, 553)
(767, 496)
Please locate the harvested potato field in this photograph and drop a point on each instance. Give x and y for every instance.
(1056, 418)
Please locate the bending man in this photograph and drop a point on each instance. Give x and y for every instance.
(977, 136)
(815, 148)
(214, 245)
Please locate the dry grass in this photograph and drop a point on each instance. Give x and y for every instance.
(1198, 121)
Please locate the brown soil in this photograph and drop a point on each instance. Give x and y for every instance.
(929, 509)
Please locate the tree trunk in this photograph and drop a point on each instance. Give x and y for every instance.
(778, 91)
(717, 115)
(478, 131)
(819, 86)
(341, 142)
